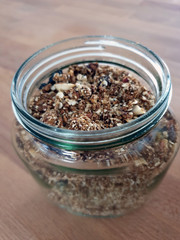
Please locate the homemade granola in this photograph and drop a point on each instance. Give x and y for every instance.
(103, 182)
(90, 97)
(136, 168)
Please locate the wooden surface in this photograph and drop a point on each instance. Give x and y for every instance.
(26, 26)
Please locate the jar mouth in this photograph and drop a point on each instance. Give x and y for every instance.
(85, 47)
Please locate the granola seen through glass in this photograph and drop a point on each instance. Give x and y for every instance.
(94, 97)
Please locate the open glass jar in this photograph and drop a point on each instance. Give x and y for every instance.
(99, 173)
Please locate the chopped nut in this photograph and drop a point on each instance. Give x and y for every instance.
(165, 134)
(60, 94)
(62, 86)
(140, 161)
(72, 102)
(81, 77)
(135, 102)
(60, 105)
(164, 145)
(125, 85)
(138, 110)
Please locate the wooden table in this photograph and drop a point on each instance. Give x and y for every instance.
(26, 26)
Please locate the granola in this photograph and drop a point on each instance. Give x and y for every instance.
(90, 97)
(130, 172)
(104, 182)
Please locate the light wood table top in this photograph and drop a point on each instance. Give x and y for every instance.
(25, 27)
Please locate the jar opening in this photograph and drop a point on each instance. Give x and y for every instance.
(116, 51)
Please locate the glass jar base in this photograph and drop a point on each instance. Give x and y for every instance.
(102, 215)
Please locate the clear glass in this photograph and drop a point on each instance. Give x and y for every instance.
(99, 173)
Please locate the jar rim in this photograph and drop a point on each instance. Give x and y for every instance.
(121, 134)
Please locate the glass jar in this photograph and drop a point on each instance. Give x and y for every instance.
(98, 173)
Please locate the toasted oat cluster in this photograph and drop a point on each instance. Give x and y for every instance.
(90, 97)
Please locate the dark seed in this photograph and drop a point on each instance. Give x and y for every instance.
(42, 85)
(125, 80)
(102, 80)
(172, 134)
(47, 88)
(60, 71)
(93, 66)
(51, 77)
(83, 157)
(51, 80)
(62, 182)
(19, 142)
(164, 129)
(118, 184)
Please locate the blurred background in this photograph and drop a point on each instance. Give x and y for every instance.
(28, 25)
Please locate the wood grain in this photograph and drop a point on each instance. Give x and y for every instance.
(26, 26)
